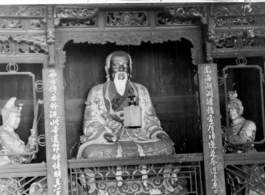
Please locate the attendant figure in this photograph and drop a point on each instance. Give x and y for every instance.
(241, 132)
(13, 146)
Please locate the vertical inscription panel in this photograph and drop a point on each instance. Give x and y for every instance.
(55, 131)
(211, 130)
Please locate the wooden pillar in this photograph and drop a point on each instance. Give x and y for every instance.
(211, 130)
(55, 131)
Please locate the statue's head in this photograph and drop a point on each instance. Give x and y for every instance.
(11, 114)
(118, 66)
(234, 106)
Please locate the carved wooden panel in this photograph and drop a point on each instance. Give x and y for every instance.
(133, 38)
(22, 11)
(75, 17)
(126, 18)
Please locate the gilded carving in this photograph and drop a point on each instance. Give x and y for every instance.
(36, 24)
(31, 44)
(50, 36)
(5, 47)
(133, 38)
(25, 47)
(75, 17)
(228, 43)
(22, 11)
(253, 42)
(36, 39)
(235, 21)
(11, 24)
(238, 9)
(164, 19)
(187, 12)
(4, 37)
(127, 18)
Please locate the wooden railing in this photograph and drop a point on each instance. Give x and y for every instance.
(152, 175)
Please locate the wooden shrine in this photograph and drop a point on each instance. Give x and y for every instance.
(188, 56)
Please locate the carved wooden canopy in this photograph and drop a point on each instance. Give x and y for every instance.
(128, 27)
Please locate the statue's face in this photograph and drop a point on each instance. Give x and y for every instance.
(119, 66)
(233, 112)
(13, 120)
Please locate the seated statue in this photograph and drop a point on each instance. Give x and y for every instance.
(105, 135)
(241, 130)
(10, 143)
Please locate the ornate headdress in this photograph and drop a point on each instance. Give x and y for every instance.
(235, 102)
(10, 107)
(117, 53)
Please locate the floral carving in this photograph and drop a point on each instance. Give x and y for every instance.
(127, 19)
(133, 38)
(238, 9)
(11, 24)
(187, 12)
(50, 36)
(253, 42)
(24, 47)
(31, 44)
(22, 11)
(5, 47)
(235, 21)
(36, 24)
(75, 17)
(164, 19)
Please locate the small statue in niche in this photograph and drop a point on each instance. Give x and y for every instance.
(105, 135)
(241, 131)
(9, 139)
(10, 143)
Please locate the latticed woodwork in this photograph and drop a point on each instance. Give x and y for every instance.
(130, 176)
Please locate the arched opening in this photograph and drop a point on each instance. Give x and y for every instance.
(165, 69)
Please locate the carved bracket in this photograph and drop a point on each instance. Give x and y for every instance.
(50, 36)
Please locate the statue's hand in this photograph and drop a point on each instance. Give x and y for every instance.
(162, 136)
(32, 139)
(110, 137)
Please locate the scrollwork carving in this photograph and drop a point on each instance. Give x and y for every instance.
(164, 19)
(238, 9)
(235, 21)
(22, 11)
(253, 42)
(5, 47)
(25, 47)
(11, 24)
(50, 36)
(187, 12)
(36, 39)
(75, 17)
(133, 38)
(135, 18)
(31, 44)
(36, 24)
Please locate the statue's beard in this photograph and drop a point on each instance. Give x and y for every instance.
(120, 80)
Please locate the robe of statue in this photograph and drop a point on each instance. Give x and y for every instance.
(104, 116)
(238, 134)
